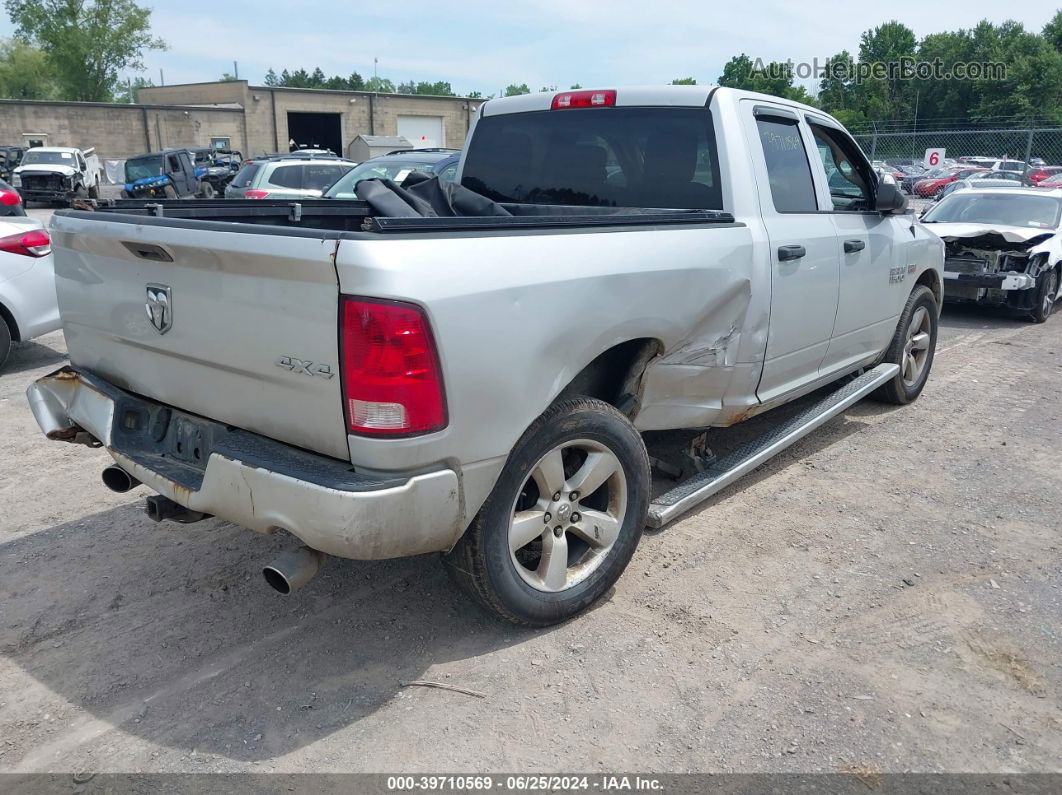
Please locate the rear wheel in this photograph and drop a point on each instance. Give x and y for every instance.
(169, 192)
(206, 190)
(94, 192)
(912, 348)
(5, 341)
(563, 519)
(1046, 290)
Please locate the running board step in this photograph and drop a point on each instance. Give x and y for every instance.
(749, 456)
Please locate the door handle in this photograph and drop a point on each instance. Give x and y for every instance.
(790, 252)
(854, 245)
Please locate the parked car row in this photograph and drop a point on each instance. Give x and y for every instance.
(28, 306)
(296, 176)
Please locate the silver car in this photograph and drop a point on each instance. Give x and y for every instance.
(286, 178)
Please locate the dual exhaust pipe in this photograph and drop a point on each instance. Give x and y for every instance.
(289, 572)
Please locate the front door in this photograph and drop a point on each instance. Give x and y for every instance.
(803, 250)
(866, 239)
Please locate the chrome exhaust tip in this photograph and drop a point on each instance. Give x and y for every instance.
(293, 569)
(117, 479)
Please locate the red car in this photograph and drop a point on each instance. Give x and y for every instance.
(1039, 174)
(931, 188)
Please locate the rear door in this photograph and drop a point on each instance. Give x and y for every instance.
(804, 256)
(248, 333)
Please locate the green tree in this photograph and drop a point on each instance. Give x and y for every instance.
(127, 91)
(380, 85)
(891, 97)
(271, 78)
(684, 81)
(575, 87)
(475, 95)
(227, 78)
(774, 78)
(87, 43)
(24, 72)
(513, 90)
(1053, 31)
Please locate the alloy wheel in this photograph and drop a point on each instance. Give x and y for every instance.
(567, 515)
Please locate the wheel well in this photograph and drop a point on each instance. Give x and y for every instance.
(614, 375)
(930, 279)
(5, 313)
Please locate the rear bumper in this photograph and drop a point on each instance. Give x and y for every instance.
(250, 480)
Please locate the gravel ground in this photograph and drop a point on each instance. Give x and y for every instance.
(884, 596)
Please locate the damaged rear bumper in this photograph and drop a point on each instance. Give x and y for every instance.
(248, 479)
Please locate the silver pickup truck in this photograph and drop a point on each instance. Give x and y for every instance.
(478, 386)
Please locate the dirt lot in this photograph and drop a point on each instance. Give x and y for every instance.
(885, 596)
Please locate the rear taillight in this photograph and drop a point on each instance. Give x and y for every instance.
(9, 198)
(28, 244)
(584, 99)
(392, 381)
(255, 194)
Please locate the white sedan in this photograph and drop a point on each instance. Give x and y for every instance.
(28, 306)
(1002, 246)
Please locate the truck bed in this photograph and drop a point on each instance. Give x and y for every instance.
(356, 216)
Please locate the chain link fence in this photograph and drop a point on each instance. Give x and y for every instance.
(1029, 144)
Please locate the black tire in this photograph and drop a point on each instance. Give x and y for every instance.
(1046, 289)
(94, 192)
(897, 390)
(206, 190)
(5, 341)
(169, 192)
(481, 562)
(126, 194)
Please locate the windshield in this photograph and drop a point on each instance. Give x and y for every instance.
(49, 158)
(1034, 212)
(396, 170)
(142, 167)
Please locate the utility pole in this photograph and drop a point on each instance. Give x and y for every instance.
(162, 78)
(375, 62)
(236, 70)
(914, 127)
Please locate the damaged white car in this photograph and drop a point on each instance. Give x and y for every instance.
(1002, 247)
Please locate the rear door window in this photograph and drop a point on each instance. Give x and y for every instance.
(286, 176)
(619, 157)
(245, 176)
(788, 169)
(318, 176)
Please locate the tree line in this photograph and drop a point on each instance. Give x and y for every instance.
(1030, 90)
(78, 49)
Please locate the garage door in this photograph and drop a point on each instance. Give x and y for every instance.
(421, 131)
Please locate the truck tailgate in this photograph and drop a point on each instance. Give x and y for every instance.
(249, 334)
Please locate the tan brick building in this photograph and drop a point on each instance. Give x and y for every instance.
(251, 119)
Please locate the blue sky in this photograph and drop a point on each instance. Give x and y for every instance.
(484, 46)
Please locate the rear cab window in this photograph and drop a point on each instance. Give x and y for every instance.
(613, 157)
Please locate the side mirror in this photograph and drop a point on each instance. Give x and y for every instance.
(890, 198)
